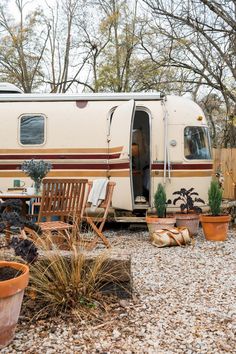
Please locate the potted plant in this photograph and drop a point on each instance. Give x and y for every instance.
(215, 226)
(14, 276)
(189, 216)
(160, 220)
(36, 170)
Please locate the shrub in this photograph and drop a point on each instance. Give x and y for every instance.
(61, 282)
(160, 201)
(188, 197)
(215, 198)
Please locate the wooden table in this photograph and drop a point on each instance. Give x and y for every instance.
(22, 196)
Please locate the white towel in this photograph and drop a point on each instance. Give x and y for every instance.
(98, 192)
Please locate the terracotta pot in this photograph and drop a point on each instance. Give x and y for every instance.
(11, 296)
(155, 223)
(215, 228)
(191, 221)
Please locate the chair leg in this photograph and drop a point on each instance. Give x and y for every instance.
(98, 232)
(101, 225)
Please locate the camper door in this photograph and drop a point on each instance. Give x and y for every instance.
(120, 166)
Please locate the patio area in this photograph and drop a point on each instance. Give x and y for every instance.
(183, 302)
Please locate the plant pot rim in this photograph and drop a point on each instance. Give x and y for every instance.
(215, 218)
(189, 216)
(153, 219)
(12, 286)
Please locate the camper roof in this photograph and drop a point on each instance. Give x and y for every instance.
(7, 88)
(30, 97)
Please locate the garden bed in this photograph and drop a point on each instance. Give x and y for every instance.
(117, 269)
(183, 302)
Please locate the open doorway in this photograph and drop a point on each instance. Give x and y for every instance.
(141, 158)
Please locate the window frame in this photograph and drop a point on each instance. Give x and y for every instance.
(208, 139)
(19, 128)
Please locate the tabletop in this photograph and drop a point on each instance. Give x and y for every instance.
(7, 195)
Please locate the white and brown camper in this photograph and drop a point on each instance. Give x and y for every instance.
(135, 139)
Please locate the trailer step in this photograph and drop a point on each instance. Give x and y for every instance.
(131, 219)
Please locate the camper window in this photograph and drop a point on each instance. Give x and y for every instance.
(197, 143)
(32, 128)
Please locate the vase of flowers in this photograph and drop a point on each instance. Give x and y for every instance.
(36, 170)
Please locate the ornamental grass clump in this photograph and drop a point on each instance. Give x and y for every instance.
(215, 194)
(65, 281)
(36, 170)
(160, 201)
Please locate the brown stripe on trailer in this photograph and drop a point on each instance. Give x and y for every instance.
(29, 150)
(60, 157)
(88, 173)
(107, 173)
(183, 166)
(15, 168)
(116, 165)
(114, 169)
(193, 173)
(75, 166)
(70, 173)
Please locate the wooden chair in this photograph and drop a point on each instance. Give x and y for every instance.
(97, 218)
(62, 198)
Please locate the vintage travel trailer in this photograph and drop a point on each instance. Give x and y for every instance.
(134, 139)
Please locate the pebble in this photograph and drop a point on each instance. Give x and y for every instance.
(184, 302)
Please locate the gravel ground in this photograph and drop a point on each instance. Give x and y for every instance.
(184, 302)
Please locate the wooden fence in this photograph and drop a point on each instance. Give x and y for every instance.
(225, 161)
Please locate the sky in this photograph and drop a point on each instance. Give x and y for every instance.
(30, 4)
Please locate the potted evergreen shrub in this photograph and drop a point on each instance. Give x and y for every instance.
(160, 220)
(36, 170)
(189, 216)
(215, 226)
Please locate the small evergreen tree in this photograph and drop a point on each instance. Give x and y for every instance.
(160, 201)
(215, 198)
